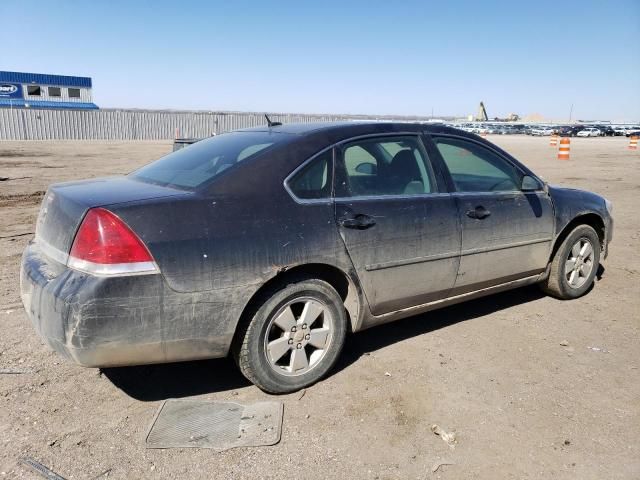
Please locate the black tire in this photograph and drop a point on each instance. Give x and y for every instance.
(250, 350)
(557, 283)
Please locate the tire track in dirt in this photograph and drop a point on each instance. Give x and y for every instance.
(21, 199)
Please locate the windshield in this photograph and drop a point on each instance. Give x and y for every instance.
(197, 164)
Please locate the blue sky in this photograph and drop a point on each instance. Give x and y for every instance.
(385, 57)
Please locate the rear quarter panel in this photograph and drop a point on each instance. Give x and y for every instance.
(234, 243)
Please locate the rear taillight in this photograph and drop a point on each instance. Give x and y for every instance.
(105, 245)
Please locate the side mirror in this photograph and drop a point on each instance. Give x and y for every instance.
(530, 184)
(366, 168)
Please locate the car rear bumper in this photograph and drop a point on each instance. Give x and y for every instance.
(113, 321)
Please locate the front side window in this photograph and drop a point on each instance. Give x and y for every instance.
(34, 90)
(475, 168)
(54, 92)
(314, 180)
(386, 166)
(196, 165)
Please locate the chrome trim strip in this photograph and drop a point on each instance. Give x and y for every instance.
(113, 269)
(508, 194)
(473, 251)
(410, 261)
(392, 197)
(52, 252)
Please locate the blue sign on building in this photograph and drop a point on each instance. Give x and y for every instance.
(37, 90)
(10, 90)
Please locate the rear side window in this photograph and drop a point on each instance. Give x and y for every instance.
(385, 166)
(475, 168)
(314, 180)
(197, 164)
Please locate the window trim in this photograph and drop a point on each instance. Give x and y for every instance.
(452, 187)
(429, 166)
(79, 96)
(400, 196)
(438, 190)
(306, 201)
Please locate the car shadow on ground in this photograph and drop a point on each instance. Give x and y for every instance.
(150, 383)
(379, 337)
(186, 379)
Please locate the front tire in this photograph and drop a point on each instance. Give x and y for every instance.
(294, 336)
(575, 264)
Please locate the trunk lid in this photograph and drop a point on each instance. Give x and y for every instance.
(65, 205)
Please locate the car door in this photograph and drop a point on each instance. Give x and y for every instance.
(401, 232)
(506, 233)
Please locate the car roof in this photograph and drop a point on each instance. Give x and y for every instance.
(356, 126)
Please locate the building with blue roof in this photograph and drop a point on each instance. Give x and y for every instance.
(38, 90)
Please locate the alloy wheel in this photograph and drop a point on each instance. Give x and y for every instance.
(579, 263)
(298, 336)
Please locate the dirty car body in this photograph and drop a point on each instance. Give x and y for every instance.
(392, 238)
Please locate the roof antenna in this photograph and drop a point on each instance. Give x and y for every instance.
(270, 123)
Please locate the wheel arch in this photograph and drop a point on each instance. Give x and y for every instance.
(345, 284)
(592, 219)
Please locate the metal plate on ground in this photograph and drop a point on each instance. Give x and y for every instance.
(217, 425)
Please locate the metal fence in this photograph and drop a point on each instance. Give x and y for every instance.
(113, 124)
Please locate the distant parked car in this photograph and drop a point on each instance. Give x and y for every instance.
(606, 130)
(590, 132)
(633, 133)
(542, 131)
(570, 130)
(272, 244)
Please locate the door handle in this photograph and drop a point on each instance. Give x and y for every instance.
(478, 213)
(359, 222)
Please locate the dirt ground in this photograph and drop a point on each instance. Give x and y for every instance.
(534, 387)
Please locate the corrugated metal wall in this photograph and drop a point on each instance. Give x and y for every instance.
(111, 124)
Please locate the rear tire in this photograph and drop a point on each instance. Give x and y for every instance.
(574, 265)
(294, 336)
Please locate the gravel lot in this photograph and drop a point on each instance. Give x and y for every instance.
(534, 387)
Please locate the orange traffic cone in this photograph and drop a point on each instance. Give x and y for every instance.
(553, 141)
(563, 152)
(633, 142)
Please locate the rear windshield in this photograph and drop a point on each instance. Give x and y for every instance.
(197, 164)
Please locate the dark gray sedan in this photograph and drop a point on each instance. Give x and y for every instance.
(274, 243)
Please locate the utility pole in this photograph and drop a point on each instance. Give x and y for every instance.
(570, 113)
